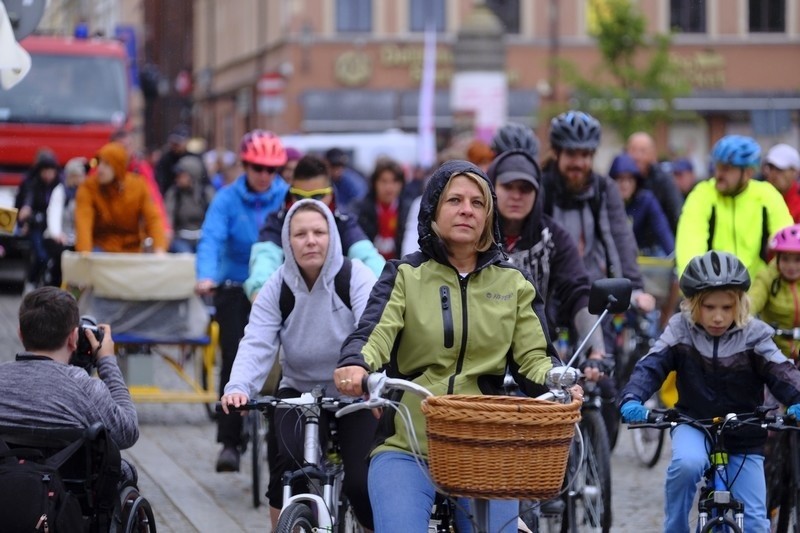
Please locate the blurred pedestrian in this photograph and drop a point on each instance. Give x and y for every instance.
(642, 148)
(177, 147)
(187, 201)
(33, 198)
(293, 155)
(382, 214)
(350, 186)
(114, 211)
(782, 170)
(480, 154)
(60, 233)
(685, 178)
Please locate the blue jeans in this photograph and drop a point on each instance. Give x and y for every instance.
(402, 497)
(690, 460)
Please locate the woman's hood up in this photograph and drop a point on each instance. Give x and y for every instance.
(333, 260)
(428, 241)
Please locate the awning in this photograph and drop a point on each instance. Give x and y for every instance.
(379, 110)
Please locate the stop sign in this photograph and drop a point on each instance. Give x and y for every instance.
(270, 84)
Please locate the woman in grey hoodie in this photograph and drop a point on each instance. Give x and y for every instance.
(311, 333)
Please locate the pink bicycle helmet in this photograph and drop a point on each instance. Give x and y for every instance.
(786, 240)
(261, 147)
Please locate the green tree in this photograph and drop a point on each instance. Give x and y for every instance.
(632, 87)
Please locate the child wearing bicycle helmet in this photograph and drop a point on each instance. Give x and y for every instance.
(723, 358)
(774, 293)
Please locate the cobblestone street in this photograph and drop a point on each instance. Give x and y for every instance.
(176, 451)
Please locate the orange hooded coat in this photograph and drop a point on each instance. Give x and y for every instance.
(116, 216)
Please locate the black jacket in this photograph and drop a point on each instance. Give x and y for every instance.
(368, 218)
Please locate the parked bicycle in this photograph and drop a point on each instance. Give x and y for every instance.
(718, 510)
(323, 506)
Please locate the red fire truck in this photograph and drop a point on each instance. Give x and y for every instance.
(75, 95)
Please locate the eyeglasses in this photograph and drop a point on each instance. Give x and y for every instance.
(263, 168)
(316, 194)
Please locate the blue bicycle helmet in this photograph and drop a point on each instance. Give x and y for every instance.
(736, 150)
(575, 130)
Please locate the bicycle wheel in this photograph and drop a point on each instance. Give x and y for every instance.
(789, 512)
(258, 453)
(589, 497)
(648, 442)
(296, 518)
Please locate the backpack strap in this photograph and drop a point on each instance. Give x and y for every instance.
(341, 283)
(58, 459)
(764, 252)
(712, 226)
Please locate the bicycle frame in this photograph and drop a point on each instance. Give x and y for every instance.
(330, 476)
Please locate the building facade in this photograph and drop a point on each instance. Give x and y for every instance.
(355, 65)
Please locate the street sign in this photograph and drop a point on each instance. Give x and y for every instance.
(270, 84)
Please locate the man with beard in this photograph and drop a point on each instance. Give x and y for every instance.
(731, 212)
(588, 205)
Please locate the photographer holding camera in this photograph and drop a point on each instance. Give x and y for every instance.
(50, 386)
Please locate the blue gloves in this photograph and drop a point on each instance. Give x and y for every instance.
(794, 411)
(633, 411)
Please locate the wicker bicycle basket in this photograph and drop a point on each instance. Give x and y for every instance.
(499, 447)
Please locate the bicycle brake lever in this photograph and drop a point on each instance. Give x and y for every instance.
(347, 409)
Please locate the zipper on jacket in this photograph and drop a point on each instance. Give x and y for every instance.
(715, 367)
(447, 315)
(462, 283)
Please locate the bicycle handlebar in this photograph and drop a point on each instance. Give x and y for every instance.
(667, 418)
(306, 399)
(378, 383)
(792, 333)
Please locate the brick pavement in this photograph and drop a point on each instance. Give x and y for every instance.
(176, 451)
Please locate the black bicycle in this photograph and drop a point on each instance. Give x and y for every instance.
(782, 469)
(717, 509)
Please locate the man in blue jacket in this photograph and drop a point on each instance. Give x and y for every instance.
(229, 231)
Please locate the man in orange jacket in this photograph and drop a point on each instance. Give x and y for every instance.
(114, 210)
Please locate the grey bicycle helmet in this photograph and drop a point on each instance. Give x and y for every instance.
(714, 270)
(514, 136)
(575, 130)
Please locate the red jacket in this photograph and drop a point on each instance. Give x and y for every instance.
(792, 198)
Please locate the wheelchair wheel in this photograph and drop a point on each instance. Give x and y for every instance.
(137, 514)
(296, 518)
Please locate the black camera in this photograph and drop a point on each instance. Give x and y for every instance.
(84, 356)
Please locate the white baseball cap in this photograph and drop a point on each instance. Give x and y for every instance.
(783, 156)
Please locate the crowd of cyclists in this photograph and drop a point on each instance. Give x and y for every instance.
(453, 280)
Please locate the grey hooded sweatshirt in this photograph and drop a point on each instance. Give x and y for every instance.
(313, 332)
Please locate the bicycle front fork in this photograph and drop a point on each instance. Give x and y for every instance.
(712, 507)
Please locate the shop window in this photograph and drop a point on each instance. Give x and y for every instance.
(423, 11)
(354, 16)
(508, 11)
(687, 16)
(767, 16)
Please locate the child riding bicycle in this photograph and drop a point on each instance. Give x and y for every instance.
(774, 291)
(723, 358)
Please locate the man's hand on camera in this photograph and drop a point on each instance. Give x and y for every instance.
(107, 348)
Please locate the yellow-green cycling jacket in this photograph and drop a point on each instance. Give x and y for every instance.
(452, 335)
(777, 303)
(741, 224)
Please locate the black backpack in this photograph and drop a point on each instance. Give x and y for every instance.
(32, 492)
(341, 284)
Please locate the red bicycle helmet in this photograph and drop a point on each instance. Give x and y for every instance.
(261, 147)
(786, 240)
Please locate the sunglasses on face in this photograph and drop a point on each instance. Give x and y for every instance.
(316, 194)
(263, 168)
